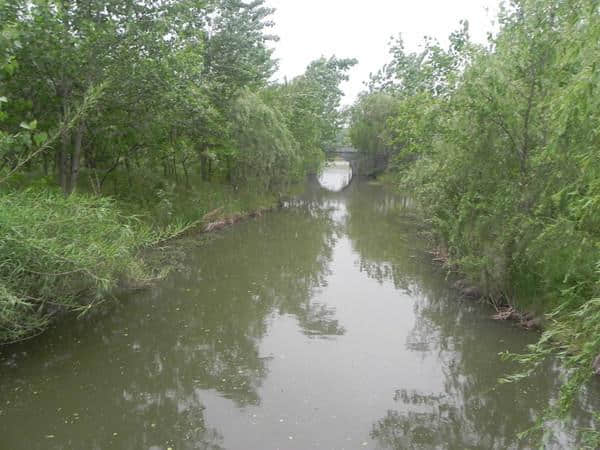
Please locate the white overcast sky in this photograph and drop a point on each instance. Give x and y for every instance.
(362, 29)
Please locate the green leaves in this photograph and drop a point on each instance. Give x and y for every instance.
(29, 126)
(40, 138)
(371, 129)
(238, 53)
(268, 152)
(54, 247)
(500, 146)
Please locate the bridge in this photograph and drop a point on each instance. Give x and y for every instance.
(362, 164)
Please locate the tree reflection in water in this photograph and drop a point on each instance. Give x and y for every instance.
(470, 410)
(141, 368)
(139, 374)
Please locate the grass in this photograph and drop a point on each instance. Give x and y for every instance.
(67, 254)
(57, 251)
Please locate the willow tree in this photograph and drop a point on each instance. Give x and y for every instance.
(504, 164)
(267, 152)
(310, 105)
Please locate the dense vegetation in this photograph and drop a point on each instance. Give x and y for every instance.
(124, 121)
(500, 144)
(162, 110)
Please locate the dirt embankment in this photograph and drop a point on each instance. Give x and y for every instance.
(504, 310)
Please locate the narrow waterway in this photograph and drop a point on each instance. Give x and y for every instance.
(324, 325)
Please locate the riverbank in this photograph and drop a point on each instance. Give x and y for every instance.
(505, 310)
(533, 272)
(469, 282)
(497, 145)
(65, 255)
(257, 327)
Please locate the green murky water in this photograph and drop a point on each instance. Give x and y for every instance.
(324, 325)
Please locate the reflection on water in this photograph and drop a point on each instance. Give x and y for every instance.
(321, 326)
(336, 175)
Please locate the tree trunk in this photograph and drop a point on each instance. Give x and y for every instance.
(76, 158)
(62, 159)
(128, 170)
(174, 164)
(62, 162)
(45, 161)
(185, 172)
(204, 166)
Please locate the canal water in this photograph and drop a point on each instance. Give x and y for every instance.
(321, 326)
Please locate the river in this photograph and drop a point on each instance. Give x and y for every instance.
(321, 326)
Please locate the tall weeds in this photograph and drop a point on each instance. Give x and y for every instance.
(61, 254)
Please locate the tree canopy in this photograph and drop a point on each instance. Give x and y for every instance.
(499, 144)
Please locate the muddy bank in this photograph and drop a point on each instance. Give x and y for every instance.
(505, 310)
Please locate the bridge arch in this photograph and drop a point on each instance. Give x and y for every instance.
(362, 164)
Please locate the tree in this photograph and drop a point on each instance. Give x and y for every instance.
(325, 77)
(499, 146)
(369, 128)
(267, 150)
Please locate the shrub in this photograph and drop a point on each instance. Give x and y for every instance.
(61, 254)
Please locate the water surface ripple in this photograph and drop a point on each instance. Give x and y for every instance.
(323, 326)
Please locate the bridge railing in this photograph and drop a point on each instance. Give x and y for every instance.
(343, 150)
